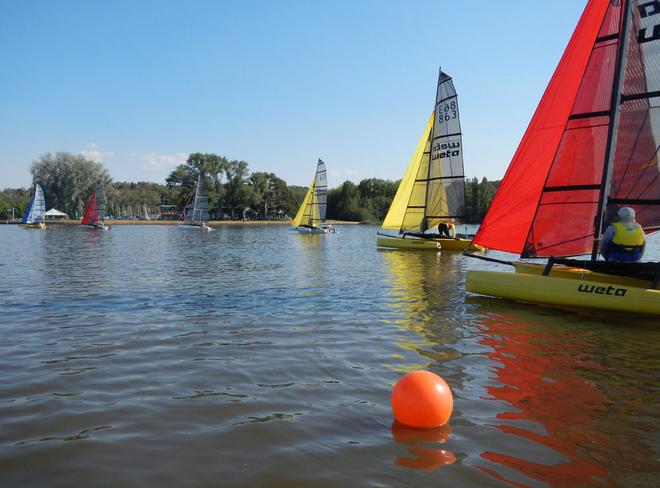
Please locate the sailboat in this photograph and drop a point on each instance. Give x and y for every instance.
(311, 214)
(35, 214)
(591, 148)
(196, 215)
(95, 212)
(432, 191)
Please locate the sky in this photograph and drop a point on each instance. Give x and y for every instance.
(140, 84)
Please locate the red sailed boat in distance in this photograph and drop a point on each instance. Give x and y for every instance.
(95, 211)
(590, 149)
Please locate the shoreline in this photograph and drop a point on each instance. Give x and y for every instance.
(211, 223)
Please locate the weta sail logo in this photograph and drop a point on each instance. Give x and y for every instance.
(446, 150)
(601, 290)
(646, 10)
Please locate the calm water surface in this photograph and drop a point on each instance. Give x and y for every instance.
(151, 356)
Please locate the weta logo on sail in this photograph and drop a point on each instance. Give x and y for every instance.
(601, 290)
(446, 150)
(646, 10)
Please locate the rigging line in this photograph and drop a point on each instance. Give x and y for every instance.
(586, 236)
(651, 183)
(641, 175)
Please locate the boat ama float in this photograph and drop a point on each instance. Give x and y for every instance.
(591, 148)
(310, 218)
(432, 190)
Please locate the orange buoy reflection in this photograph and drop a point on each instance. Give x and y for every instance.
(423, 455)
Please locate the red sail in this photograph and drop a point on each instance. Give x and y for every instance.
(547, 202)
(91, 215)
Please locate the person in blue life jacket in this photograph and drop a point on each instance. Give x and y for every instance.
(624, 239)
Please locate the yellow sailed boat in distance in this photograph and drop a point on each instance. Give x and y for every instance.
(590, 149)
(432, 192)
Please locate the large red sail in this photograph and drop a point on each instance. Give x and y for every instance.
(547, 201)
(91, 214)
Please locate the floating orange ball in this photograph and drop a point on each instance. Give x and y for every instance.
(422, 400)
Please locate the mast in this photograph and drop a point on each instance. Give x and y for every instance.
(424, 224)
(612, 129)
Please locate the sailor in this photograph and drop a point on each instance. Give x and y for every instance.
(447, 228)
(624, 239)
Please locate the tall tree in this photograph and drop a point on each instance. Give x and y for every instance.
(68, 180)
(271, 194)
(238, 196)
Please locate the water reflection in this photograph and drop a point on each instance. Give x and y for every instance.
(417, 295)
(423, 456)
(550, 373)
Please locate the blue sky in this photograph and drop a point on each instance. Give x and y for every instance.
(140, 84)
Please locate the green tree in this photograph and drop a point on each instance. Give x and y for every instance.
(68, 180)
(238, 195)
(271, 194)
(183, 179)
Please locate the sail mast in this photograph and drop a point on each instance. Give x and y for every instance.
(424, 223)
(619, 70)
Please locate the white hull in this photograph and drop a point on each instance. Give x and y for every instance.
(95, 227)
(203, 227)
(323, 229)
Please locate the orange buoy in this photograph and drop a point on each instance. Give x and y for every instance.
(422, 400)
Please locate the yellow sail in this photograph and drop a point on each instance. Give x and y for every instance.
(407, 209)
(307, 206)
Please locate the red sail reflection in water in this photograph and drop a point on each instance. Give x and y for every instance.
(540, 377)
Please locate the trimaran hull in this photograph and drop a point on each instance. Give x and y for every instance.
(569, 287)
(39, 226)
(437, 244)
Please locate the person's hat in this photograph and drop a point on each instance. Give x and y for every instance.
(626, 214)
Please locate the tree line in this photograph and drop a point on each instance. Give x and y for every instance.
(234, 192)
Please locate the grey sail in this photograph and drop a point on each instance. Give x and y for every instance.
(446, 176)
(198, 211)
(320, 194)
(100, 202)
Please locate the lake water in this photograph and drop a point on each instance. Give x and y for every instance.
(149, 356)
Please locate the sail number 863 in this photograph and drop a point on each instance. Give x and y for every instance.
(447, 112)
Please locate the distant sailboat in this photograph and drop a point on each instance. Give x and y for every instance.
(196, 215)
(432, 192)
(590, 148)
(35, 215)
(311, 215)
(95, 212)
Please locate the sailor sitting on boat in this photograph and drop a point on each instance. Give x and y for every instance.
(623, 240)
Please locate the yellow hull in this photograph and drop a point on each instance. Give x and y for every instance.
(566, 288)
(427, 244)
(40, 225)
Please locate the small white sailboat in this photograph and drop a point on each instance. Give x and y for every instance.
(95, 212)
(35, 214)
(196, 215)
(310, 218)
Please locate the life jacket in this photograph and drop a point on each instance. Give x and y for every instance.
(626, 240)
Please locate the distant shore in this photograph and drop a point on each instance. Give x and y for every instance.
(212, 223)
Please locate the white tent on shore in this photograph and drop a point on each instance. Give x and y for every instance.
(54, 214)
